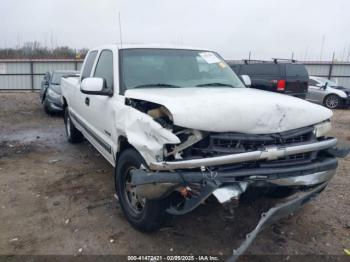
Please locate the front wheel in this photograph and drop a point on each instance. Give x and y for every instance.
(332, 101)
(73, 134)
(144, 215)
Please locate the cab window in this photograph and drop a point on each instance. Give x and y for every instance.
(89, 64)
(104, 68)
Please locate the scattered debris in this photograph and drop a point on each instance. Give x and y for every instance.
(116, 197)
(80, 250)
(14, 239)
(347, 251)
(111, 240)
(171, 249)
(54, 161)
(67, 221)
(56, 203)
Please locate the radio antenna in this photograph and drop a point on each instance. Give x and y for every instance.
(120, 30)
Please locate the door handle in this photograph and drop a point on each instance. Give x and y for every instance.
(87, 101)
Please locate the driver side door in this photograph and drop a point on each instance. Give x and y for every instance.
(315, 93)
(99, 108)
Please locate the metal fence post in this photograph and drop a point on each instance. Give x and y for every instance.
(32, 75)
(76, 65)
(330, 70)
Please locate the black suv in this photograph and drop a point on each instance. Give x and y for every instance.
(281, 76)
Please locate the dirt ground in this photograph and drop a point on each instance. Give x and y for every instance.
(58, 199)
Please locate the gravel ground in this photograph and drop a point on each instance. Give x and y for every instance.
(58, 199)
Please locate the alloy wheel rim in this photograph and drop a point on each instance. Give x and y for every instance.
(332, 102)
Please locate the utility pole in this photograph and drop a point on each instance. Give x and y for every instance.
(120, 30)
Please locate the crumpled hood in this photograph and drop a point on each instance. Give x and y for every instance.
(241, 110)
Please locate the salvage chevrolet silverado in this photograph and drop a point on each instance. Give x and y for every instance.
(179, 126)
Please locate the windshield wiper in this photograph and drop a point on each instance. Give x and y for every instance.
(157, 85)
(214, 84)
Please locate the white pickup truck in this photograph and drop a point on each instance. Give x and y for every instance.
(179, 127)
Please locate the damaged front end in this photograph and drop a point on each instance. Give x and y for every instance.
(198, 164)
(227, 164)
(194, 165)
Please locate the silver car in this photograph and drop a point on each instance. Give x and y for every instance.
(328, 93)
(50, 94)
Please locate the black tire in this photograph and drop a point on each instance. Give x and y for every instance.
(47, 107)
(332, 101)
(74, 136)
(144, 215)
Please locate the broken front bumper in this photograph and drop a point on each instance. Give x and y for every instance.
(274, 214)
(229, 185)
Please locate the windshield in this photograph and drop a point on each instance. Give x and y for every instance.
(172, 68)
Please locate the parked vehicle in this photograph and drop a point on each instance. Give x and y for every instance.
(179, 126)
(50, 93)
(280, 76)
(45, 83)
(328, 93)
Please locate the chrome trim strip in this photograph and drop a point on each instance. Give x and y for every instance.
(307, 180)
(269, 153)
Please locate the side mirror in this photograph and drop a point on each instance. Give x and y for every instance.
(95, 86)
(246, 80)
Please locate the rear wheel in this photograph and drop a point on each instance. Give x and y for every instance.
(73, 134)
(332, 101)
(144, 215)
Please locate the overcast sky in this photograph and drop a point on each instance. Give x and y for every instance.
(267, 28)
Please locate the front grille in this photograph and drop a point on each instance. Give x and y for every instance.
(233, 143)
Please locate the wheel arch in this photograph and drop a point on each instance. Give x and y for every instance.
(123, 144)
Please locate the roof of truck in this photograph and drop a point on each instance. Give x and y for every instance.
(140, 45)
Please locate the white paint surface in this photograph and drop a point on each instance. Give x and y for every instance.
(240, 110)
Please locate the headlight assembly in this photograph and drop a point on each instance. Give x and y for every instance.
(323, 128)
